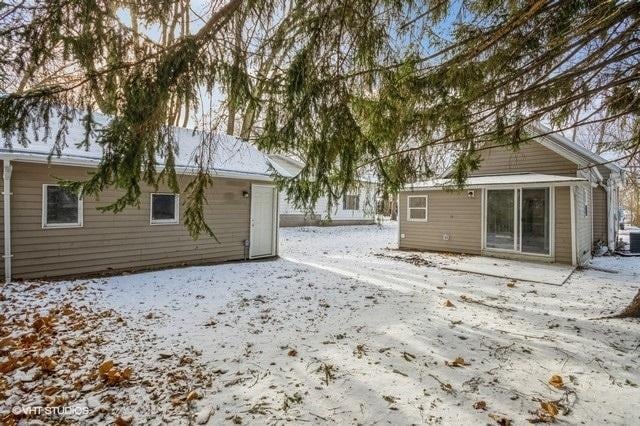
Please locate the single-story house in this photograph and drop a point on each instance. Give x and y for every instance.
(356, 208)
(47, 232)
(550, 200)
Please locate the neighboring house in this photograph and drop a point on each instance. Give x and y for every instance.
(357, 208)
(550, 200)
(49, 233)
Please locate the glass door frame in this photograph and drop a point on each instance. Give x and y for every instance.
(517, 207)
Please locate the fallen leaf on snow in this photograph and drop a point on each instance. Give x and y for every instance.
(480, 405)
(550, 408)
(193, 395)
(458, 362)
(447, 304)
(556, 381)
(500, 419)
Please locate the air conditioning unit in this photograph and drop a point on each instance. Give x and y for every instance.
(634, 242)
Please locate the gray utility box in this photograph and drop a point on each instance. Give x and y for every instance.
(634, 241)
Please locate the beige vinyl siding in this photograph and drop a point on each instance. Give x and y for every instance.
(563, 225)
(600, 214)
(123, 241)
(531, 157)
(583, 223)
(451, 213)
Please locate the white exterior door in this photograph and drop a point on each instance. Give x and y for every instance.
(263, 221)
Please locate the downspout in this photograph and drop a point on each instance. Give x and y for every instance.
(574, 254)
(6, 194)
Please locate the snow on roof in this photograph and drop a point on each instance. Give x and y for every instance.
(285, 166)
(289, 167)
(509, 179)
(227, 154)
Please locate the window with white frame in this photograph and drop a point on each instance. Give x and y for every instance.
(60, 208)
(165, 209)
(351, 202)
(417, 208)
(585, 194)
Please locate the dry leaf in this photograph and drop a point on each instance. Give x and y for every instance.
(511, 284)
(458, 362)
(550, 408)
(105, 367)
(7, 342)
(193, 395)
(120, 421)
(556, 381)
(292, 352)
(9, 365)
(126, 373)
(501, 419)
(480, 405)
(47, 364)
(447, 304)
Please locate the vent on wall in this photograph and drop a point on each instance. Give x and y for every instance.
(471, 194)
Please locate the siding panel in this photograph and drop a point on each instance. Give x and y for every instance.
(600, 214)
(123, 241)
(563, 225)
(451, 213)
(531, 157)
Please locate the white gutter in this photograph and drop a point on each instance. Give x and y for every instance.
(92, 162)
(574, 255)
(6, 194)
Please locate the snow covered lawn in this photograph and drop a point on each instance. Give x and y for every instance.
(341, 329)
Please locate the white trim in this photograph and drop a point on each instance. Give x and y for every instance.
(483, 218)
(45, 225)
(398, 217)
(572, 201)
(176, 201)
(93, 162)
(6, 195)
(425, 208)
(275, 222)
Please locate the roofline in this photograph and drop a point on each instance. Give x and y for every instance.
(487, 185)
(94, 162)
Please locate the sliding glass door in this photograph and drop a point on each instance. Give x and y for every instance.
(535, 220)
(501, 230)
(518, 220)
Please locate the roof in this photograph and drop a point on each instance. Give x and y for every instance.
(230, 156)
(507, 179)
(289, 167)
(285, 166)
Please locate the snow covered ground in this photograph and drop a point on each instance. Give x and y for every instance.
(341, 329)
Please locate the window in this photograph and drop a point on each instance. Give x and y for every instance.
(60, 208)
(417, 208)
(351, 202)
(164, 209)
(585, 194)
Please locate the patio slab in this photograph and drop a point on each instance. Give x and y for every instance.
(544, 273)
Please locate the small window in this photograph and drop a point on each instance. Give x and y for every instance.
(164, 209)
(585, 194)
(417, 208)
(351, 202)
(60, 208)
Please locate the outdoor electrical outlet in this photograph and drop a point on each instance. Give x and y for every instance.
(445, 237)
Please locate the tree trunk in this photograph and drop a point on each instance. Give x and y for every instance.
(631, 311)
